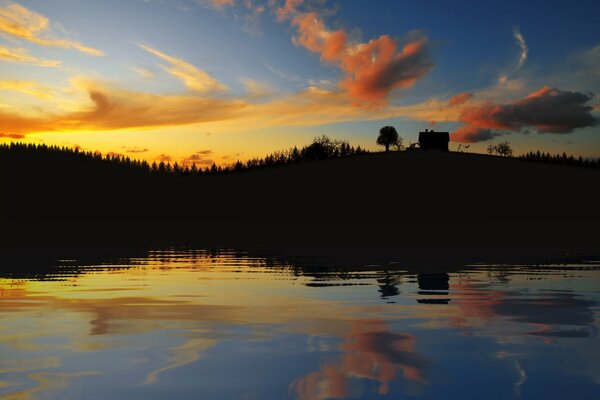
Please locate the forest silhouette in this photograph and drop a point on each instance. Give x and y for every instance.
(325, 193)
(43, 155)
(321, 148)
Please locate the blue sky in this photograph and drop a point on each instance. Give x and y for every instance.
(240, 78)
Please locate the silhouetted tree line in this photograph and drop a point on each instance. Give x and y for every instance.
(321, 148)
(560, 159)
(15, 154)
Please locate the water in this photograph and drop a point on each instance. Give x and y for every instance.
(228, 325)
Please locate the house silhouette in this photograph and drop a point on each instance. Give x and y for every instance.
(434, 140)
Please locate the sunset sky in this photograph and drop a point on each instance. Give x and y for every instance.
(218, 80)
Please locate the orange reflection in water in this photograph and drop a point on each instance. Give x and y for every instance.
(370, 351)
(170, 316)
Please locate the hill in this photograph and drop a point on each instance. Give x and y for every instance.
(398, 199)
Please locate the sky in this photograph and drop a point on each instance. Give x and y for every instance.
(203, 81)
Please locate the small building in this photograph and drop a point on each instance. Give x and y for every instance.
(434, 140)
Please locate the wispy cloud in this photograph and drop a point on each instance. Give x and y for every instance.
(218, 3)
(200, 157)
(22, 56)
(460, 99)
(193, 78)
(245, 12)
(287, 9)
(523, 54)
(25, 24)
(28, 87)
(257, 89)
(285, 75)
(143, 72)
(164, 158)
(136, 150)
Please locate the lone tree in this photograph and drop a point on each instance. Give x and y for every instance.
(387, 137)
(504, 149)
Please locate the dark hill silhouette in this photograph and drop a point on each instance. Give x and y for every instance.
(393, 199)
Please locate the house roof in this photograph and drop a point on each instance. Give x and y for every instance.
(431, 135)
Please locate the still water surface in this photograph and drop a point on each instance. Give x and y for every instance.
(226, 325)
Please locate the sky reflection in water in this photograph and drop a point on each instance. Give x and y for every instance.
(192, 324)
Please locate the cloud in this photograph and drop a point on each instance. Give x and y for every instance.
(245, 12)
(12, 135)
(21, 56)
(460, 99)
(143, 72)
(113, 108)
(164, 158)
(192, 77)
(289, 7)
(472, 134)
(136, 150)
(257, 89)
(198, 158)
(285, 75)
(548, 110)
(22, 23)
(204, 152)
(28, 87)
(371, 70)
(522, 46)
(220, 3)
(523, 54)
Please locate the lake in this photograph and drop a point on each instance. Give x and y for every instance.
(224, 324)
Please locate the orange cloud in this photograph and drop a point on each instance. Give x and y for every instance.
(21, 56)
(12, 135)
(198, 158)
(22, 23)
(28, 87)
(460, 99)
(373, 69)
(288, 8)
(548, 110)
(221, 3)
(113, 108)
(192, 77)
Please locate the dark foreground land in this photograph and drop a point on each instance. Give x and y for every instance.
(398, 200)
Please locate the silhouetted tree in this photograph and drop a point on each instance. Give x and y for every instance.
(387, 137)
(398, 144)
(504, 149)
